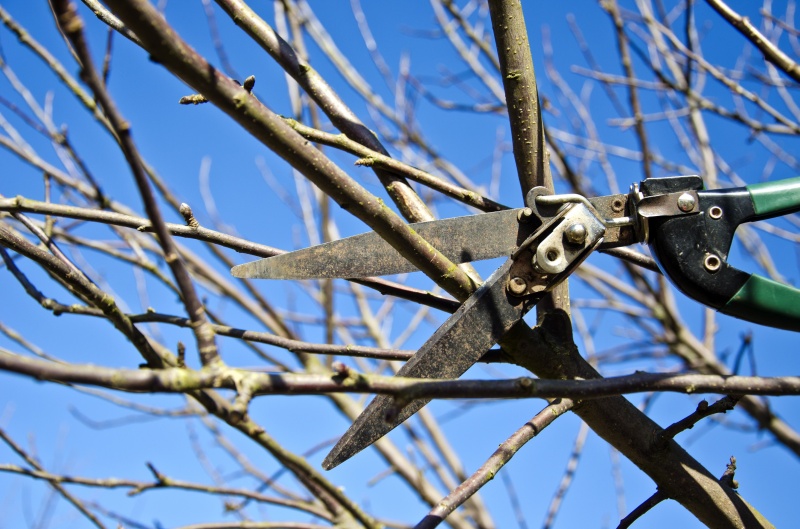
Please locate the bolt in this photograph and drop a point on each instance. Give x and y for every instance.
(576, 234)
(686, 202)
(517, 286)
(524, 214)
(712, 263)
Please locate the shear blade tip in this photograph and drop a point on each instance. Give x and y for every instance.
(242, 271)
(334, 458)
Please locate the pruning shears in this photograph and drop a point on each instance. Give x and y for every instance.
(689, 231)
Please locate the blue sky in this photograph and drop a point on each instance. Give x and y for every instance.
(175, 140)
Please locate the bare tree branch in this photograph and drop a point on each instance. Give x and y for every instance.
(746, 28)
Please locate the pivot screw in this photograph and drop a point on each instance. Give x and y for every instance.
(712, 263)
(517, 286)
(686, 202)
(576, 234)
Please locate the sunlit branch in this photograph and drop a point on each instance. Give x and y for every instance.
(633, 94)
(329, 102)
(211, 236)
(72, 25)
(273, 132)
(79, 504)
(371, 158)
(162, 482)
(99, 298)
(178, 380)
(285, 343)
(771, 52)
(496, 461)
(567, 478)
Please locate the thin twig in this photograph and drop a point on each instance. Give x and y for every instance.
(771, 52)
(496, 461)
(72, 26)
(56, 484)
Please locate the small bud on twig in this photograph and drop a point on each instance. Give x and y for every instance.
(249, 83)
(365, 162)
(188, 216)
(194, 99)
(340, 369)
(181, 355)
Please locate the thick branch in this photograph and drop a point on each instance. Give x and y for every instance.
(625, 427)
(161, 41)
(410, 204)
(181, 380)
(524, 113)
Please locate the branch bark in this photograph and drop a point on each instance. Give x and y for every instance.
(771, 52)
(72, 26)
(345, 380)
(410, 204)
(524, 114)
(161, 41)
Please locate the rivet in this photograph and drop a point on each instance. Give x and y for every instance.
(517, 285)
(712, 263)
(686, 202)
(715, 212)
(576, 234)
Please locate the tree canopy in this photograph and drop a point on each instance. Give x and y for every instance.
(148, 147)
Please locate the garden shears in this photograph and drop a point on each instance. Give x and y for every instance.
(688, 229)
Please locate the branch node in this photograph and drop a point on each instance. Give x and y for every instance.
(181, 355)
(367, 161)
(728, 477)
(525, 383)
(244, 394)
(160, 478)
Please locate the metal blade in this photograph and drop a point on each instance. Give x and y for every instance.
(458, 344)
(461, 239)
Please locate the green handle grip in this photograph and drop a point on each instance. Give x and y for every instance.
(766, 302)
(762, 300)
(771, 199)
